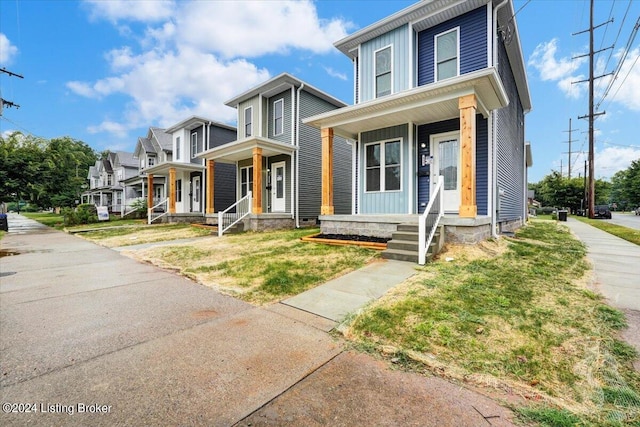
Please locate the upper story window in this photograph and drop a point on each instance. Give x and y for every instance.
(447, 54)
(278, 117)
(151, 161)
(109, 179)
(383, 60)
(178, 148)
(383, 166)
(194, 144)
(248, 116)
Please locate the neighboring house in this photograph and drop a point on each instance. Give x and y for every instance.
(440, 90)
(278, 156)
(183, 195)
(107, 181)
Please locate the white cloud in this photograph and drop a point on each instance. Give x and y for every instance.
(626, 88)
(255, 28)
(562, 70)
(138, 10)
(336, 74)
(611, 159)
(7, 50)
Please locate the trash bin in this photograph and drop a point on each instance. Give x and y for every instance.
(4, 223)
(562, 215)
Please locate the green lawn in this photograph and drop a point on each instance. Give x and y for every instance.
(49, 219)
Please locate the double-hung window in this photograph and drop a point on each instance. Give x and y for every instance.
(151, 161)
(246, 180)
(178, 190)
(278, 117)
(178, 148)
(383, 60)
(248, 116)
(383, 166)
(194, 144)
(447, 54)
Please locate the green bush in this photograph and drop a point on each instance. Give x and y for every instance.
(83, 214)
(140, 207)
(545, 210)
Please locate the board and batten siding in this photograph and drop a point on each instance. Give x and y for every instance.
(482, 155)
(398, 39)
(473, 44)
(285, 136)
(385, 202)
(255, 126)
(310, 152)
(510, 146)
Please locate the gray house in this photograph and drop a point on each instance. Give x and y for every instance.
(440, 91)
(107, 181)
(278, 156)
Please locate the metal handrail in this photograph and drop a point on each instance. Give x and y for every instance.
(151, 217)
(429, 220)
(227, 219)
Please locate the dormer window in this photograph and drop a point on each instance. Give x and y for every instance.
(447, 54)
(278, 117)
(248, 115)
(383, 59)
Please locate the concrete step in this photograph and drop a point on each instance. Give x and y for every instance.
(405, 235)
(408, 227)
(405, 245)
(400, 255)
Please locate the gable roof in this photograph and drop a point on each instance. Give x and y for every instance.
(278, 84)
(163, 139)
(126, 159)
(197, 121)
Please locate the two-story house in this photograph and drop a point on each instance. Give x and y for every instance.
(278, 157)
(107, 181)
(184, 196)
(440, 90)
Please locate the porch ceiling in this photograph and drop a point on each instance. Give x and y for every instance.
(235, 151)
(424, 104)
(163, 168)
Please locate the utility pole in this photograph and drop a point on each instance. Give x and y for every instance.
(570, 141)
(591, 116)
(3, 101)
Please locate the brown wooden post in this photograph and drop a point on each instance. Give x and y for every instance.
(327, 171)
(172, 191)
(257, 181)
(210, 187)
(467, 105)
(149, 191)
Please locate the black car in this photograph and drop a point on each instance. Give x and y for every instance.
(602, 211)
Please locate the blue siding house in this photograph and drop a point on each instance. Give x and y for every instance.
(440, 91)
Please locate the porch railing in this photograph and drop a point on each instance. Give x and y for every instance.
(429, 220)
(124, 212)
(151, 212)
(227, 219)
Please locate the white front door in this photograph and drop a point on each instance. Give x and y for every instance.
(196, 194)
(446, 162)
(278, 186)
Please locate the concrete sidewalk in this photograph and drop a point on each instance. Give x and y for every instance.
(616, 264)
(90, 337)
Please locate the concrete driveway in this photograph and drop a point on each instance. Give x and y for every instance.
(89, 337)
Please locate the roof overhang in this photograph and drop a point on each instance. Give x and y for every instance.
(425, 104)
(163, 168)
(235, 151)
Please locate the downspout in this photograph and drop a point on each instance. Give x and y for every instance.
(297, 142)
(494, 155)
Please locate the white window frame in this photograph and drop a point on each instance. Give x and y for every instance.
(249, 179)
(178, 144)
(435, 53)
(194, 149)
(281, 102)
(250, 124)
(375, 72)
(382, 165)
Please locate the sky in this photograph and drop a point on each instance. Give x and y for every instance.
(104, 71)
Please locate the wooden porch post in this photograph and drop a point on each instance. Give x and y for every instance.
(467, 105)
(327, 171)
(149, 191)
(210, 187)
(257, 181)
(172, 191)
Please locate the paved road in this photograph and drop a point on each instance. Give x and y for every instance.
(90, 337)
(625, 220)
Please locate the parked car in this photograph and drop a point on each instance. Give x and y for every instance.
(602, 211)
(637, 210)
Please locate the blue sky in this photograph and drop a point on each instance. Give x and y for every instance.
(104, 71)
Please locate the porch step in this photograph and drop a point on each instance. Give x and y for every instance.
(404, 244)
(401, 255)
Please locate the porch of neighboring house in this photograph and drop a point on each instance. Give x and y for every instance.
(181, 197)
(99, 197)
(136, 192)
(265, 184)
(408, 140)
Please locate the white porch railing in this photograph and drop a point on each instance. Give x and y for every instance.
(227, 219)
(124, 212)
(152, 215)
(428, 222)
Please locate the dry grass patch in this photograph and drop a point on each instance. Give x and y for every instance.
(516, 314)
(259, 267)
(136, 235)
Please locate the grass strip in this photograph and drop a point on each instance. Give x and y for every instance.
(629, 234)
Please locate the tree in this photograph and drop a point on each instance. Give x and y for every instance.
(558, 191)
